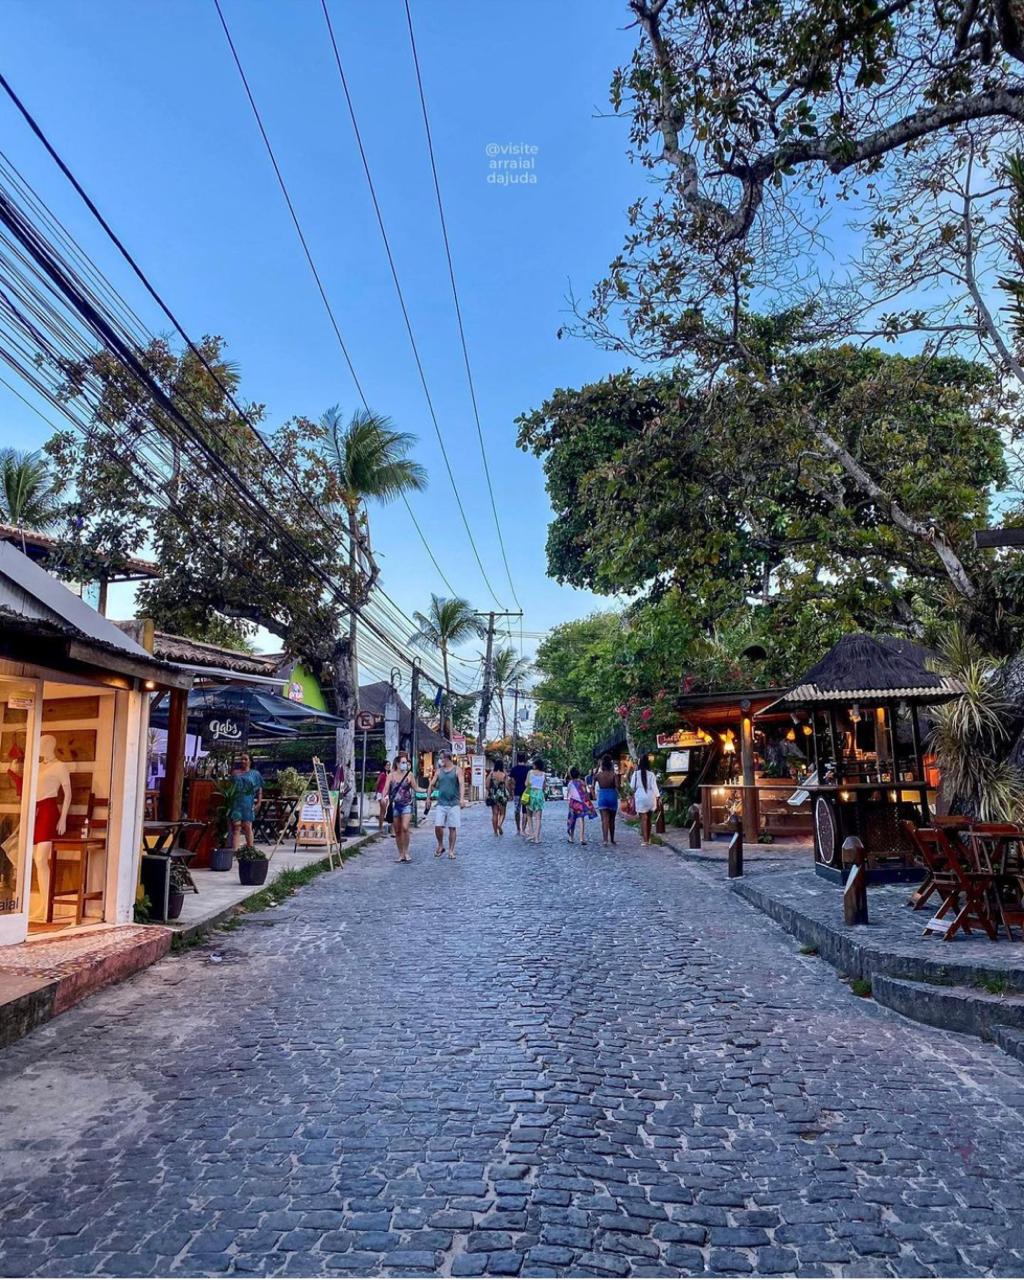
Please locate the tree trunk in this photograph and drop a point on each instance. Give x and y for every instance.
(444, 695)
(345, 695)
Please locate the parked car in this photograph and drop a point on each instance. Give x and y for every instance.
(554, 789)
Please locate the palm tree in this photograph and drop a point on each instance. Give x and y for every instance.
(448, 622)
(368, 459)
(507, 671)
(28, 496)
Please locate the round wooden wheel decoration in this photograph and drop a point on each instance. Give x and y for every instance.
(825, 828)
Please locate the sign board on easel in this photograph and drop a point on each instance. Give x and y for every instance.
(315, 823)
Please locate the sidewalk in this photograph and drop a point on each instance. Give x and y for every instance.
(46, 976)
(220, 892)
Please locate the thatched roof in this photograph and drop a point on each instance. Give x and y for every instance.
(373, 698)
(873, 668)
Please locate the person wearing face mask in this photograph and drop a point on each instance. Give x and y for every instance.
(401, 797)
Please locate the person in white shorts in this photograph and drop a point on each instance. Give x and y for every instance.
(447, 781)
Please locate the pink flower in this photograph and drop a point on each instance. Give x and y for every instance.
(622, 711)
(646, 714)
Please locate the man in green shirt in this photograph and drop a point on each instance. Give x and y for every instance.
(447, 781)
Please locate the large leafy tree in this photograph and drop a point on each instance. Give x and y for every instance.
(883, 131)
(449, 622)
(248, 538)
(727, 494)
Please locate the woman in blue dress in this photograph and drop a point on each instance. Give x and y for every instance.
(248, 793)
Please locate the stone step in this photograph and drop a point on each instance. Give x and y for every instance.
(1010, 1040)
(968, 1009)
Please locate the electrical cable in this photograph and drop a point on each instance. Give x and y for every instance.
(401, 300)
(455, 291)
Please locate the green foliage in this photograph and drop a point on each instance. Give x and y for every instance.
(221, 568)
(227, 793)
(29, 495)
(368, 457)
(728, 495)
(249, 853)
(290, 782)
(972, 734)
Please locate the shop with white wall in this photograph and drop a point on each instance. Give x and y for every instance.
(74, 705)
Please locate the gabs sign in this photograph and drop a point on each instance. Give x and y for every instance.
(226, 730)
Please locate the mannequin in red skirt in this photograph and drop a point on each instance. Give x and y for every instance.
(51, 815)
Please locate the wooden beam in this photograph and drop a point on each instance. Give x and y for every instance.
(999, 538)
(174, 779)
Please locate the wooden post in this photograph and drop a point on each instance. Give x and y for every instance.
(174, 779)
(750, 817)
(693, 817)
(855, 891)
(736, 849)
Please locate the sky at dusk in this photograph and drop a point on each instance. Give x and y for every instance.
(145, 104)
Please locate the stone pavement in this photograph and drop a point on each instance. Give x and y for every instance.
(547, 1061)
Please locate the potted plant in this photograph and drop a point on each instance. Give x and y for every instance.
(253, 864)
(178, 885)
(226, 792)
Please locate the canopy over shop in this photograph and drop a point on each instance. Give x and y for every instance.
(74, 702)
(742, 762)
(861, 703)
(374, 700)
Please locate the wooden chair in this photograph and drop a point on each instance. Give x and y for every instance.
(939, 877)
(77, 850)
(972, 884)
(990, 844)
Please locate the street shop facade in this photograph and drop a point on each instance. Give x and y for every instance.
(74, 702)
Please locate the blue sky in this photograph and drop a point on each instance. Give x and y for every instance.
(146, 106)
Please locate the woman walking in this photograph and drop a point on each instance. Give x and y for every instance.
(497, 796)
(533, 799)
(606, 779)
(646, 795)
(581, 807)
(401, 796)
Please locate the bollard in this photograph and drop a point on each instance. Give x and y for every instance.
(855, 890)
(693, 817)
(736, 847)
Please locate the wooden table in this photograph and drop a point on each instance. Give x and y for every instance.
(991, 850)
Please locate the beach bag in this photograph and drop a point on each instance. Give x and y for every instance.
(389, 813)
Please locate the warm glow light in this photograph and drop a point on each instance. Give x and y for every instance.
(150, 684)
(855, 712)
(791, 736)
(808, 729)
(729, 748)
(844, 795)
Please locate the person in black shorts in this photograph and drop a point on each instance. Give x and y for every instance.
(518, 773)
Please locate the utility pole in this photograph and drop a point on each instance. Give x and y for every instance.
(515, 722)
(487, 690)
(414, 748)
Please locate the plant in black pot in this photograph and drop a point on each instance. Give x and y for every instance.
(179, 882)
(226, 792)
(253, 864)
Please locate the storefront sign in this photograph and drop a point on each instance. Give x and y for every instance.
(367, 721)
(20, 702)
(226, 730)
(295, 691)
(681, 738)
(458, 744)
(478, 771)
(312, 810)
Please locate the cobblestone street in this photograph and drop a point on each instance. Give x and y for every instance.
(538, 1060)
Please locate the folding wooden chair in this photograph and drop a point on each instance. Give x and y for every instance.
(974, 885)
(990, 844)
(939, 877)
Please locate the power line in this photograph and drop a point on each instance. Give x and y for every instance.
(455, 295)
(312, 265)
(401, 299)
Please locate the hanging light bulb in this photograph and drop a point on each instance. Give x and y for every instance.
(855, 712)
(808, 729)
(791, 735)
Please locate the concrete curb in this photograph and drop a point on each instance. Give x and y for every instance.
(859, 957)
(977, 1013)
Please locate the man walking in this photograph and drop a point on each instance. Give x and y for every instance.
(447, 780)
(518, 773)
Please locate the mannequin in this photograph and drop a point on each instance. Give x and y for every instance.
(51, 817)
